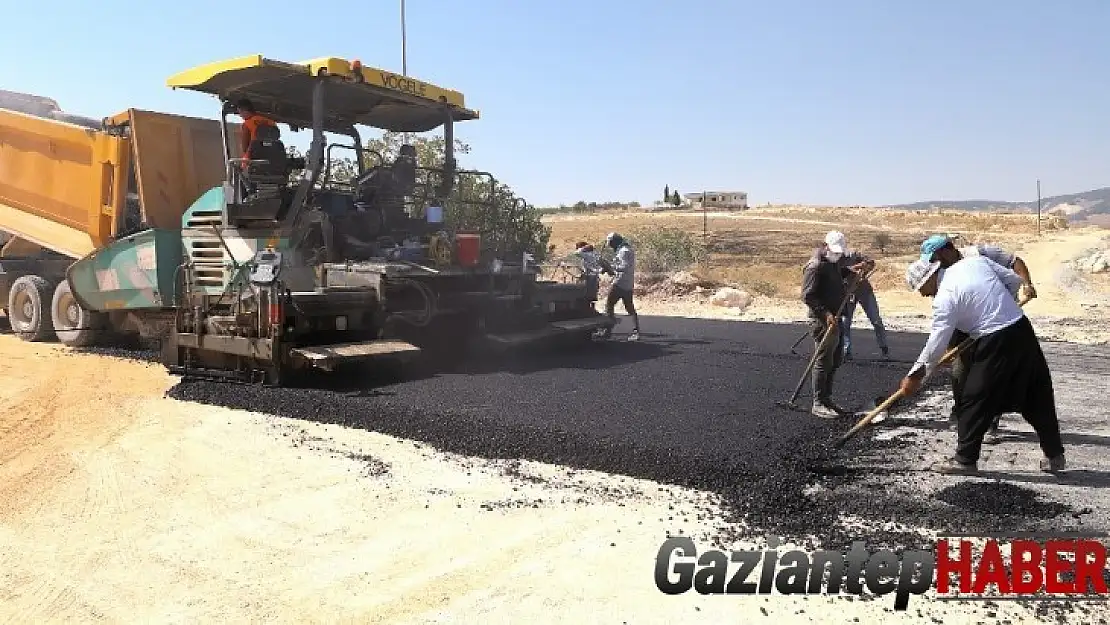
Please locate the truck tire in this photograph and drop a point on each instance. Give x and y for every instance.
(29, 309)
(73, 325)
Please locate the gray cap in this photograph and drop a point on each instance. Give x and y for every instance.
(919, 273)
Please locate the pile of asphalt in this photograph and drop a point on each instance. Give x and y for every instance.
(693, 404)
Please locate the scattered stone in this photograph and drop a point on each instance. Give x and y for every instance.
(729, 297)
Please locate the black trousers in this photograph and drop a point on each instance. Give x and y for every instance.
(625, 296)
(1006, 372)
(959, 369)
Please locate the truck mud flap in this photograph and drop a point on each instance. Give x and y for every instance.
(327, 357)
(553, 330)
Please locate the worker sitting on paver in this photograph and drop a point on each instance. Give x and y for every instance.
(1006, 369)
(823, 290)
(941, 248)
(624, 281)
(864, 295)
(252, 121)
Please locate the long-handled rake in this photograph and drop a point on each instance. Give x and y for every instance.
(801, 382)
(870, 416)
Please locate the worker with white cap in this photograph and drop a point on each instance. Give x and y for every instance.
(864, 295)
(1007, 371)
(823, 290)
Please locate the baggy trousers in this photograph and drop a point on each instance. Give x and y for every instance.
(1007, 372)
(829, 358)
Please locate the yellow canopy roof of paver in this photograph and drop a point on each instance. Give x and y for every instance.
(355, 95)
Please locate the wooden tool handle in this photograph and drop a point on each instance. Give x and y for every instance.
(866, 420)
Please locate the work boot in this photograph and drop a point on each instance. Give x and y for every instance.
(635, 336)
(824, 411)
(953, 466)
(1052, 465)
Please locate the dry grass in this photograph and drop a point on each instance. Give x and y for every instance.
(763, 250)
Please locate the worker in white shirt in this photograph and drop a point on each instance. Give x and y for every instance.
(592, 265)
(624, 280)
(1006, 369)
(941, 248)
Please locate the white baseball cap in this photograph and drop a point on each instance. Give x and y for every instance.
(919, 272)
(836, 241)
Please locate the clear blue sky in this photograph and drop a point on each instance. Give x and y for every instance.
(848, 102)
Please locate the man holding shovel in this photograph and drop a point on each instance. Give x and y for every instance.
(823, 291)
(942, 249)
(1006, 369)
(864, 296)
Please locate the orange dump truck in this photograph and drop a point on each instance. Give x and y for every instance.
(69, 185)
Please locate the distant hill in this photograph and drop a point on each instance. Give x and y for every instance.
(1076, 206)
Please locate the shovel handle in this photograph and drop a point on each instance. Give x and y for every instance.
(866, 420)
(801, 382)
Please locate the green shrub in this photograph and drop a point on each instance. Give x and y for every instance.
(666, 250)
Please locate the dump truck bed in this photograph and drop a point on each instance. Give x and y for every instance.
(65, 187)
(60, 183)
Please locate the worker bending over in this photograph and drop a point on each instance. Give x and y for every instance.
(942, 249)
(864, 295)
(823, 289)
(624, 280)
(1006, 369)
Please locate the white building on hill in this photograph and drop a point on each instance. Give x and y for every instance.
(730, 200)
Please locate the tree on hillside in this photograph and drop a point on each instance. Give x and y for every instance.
(508, 224)
(667, 193)
(676, 200)
(882, 240)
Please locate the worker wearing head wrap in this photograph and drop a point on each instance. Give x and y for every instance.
(1006, 369)
(624, 281)
(941, 248)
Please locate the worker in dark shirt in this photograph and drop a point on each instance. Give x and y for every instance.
(823, 290)
(251, 123)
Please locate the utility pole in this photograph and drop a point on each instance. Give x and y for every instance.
(704, 217)
(1038, 208)
(705, 229)
(404, 44)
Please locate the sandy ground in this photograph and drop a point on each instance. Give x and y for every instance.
(119, 505)
(1070, 306)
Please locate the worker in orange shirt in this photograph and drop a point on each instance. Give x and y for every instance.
(251, 123)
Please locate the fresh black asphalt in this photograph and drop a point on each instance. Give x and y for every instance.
(694, 403)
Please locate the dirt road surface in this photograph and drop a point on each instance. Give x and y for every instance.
(119, 504)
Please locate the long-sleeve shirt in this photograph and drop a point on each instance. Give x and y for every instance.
(823, 285)
(624, 268)
(975, 296)
(590, 262)
(848, 260)
(993, 252)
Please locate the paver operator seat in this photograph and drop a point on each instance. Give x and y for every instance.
(265, 177)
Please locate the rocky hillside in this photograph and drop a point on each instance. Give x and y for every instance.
(1076, 206)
